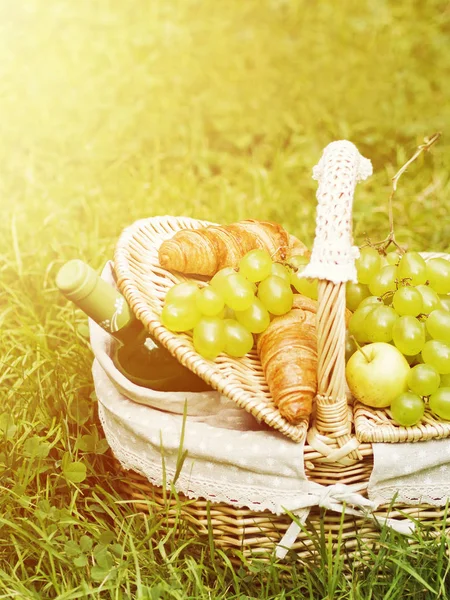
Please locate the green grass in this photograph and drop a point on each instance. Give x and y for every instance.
(116, 110)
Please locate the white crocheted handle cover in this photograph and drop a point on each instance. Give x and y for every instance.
(333, 254)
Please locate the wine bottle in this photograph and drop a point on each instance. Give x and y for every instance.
(139, 357)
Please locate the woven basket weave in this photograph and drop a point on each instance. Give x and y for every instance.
(255, 534)
(333, 453)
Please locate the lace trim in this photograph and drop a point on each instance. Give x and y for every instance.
(412, 495)
(233, 494)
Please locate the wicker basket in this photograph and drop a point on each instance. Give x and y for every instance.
(256, 534)
(333, 453)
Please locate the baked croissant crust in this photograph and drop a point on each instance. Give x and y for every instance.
(287, 350)
(206, 250)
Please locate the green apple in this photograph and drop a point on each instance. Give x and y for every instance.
(377, 373)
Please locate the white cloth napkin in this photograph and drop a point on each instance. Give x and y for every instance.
(255, 469)
(412, 473)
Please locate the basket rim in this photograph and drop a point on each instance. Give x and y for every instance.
(137, 269)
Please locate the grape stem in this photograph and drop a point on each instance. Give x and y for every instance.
(291, 266)
(390, 239)
(389, 294)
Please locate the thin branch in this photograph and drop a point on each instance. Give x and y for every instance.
(390, 239)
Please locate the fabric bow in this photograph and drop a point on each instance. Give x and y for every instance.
(335, 497)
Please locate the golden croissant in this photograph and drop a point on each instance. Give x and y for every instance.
(206, 250)
(287, 350)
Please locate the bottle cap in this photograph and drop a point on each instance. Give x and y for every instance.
(76, 280)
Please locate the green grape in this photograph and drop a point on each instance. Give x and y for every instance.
(297, 261)
(439, 403)
(437, 354)
(350, 346)
(423, 380)
(371, 300)
(209, 337)
(187, 290)
(430, 299)
(179, 316)
(219, 281)
(238, 340)
(221, 314)
(280, 271)
(306, 286)
(256, 265)
(393, 258)
(367, 264)
(237, 291)
(379, 322)
(445, 380)
(209, 302)
(276, 295)
(255, 318)
(438, 274)
(407, 409)
(438, 325)
(355, 294)
(445, 302)
(409, 335)
(412, 267)
(407, 301)
(356, 324)
(384, 281)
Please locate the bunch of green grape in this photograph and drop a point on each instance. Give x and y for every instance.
(235, 304)
(404, 300)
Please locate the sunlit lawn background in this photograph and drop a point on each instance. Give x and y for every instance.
(114, 110)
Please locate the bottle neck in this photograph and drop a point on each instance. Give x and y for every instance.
(107, 307)
(99, 300)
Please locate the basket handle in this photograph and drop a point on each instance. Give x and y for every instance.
(333, 263)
